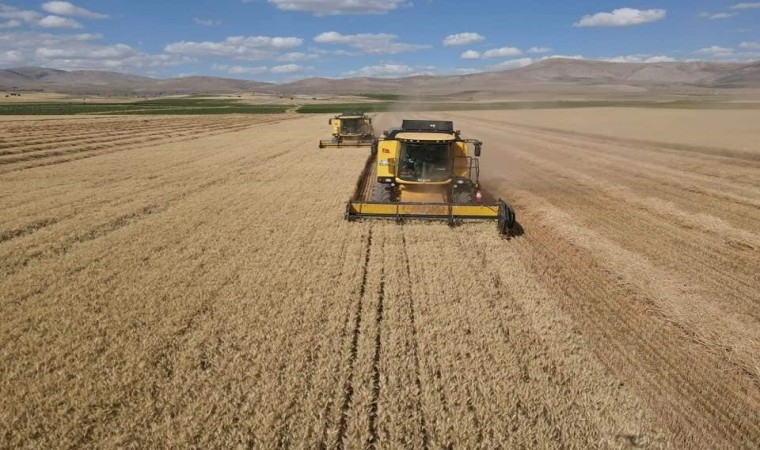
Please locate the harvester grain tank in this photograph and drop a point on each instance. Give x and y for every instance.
(350, 129)
(426, 170)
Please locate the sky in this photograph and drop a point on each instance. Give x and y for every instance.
(286, 40)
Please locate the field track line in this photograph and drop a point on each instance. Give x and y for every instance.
(415, 341)
(348, 388)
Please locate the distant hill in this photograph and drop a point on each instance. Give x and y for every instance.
(556, 73)
(113, 83)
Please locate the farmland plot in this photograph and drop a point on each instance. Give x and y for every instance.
(200, 288)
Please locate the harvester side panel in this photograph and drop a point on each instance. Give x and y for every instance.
(387, 155)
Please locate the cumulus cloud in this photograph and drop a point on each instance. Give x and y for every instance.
(622, 17)
(288, 68)
(369, 43)
(746, 6)
(462, 39)
(11, 57)
(493, 53)
(750, 45)
(717, 16)
(58, 22)
(470, 54)
(338, 7)
(102, 52)
(297, 56)
(716, 51)
(539, 50)
(259, 70)
(240, 70)
(77, 51)
(502, 52)
(640, 59)
(10, 24)
(15, 16)
(389, 70)
(236, 47)
(207, 22)
(513, 64)
(68, 9)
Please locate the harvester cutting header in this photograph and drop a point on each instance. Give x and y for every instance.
(350, 129)
(426, 170)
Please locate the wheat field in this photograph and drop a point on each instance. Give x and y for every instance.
(190, 282)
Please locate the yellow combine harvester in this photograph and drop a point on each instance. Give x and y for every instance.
(350, 130)
(425, 170)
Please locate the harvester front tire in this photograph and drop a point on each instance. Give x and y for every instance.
(382, 193)
(463, 197)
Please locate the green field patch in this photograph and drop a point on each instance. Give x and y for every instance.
(158, 106)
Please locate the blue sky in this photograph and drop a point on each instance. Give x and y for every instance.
(284, 40)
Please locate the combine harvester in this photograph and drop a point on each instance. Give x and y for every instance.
(350, 130)
(425, 170)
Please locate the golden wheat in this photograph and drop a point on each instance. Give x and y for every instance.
(191, 282)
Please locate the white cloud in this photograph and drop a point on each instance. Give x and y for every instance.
(750, 45)
(337, 7)
(11, 57)
(717, 16)
(580, 57)
(390, 70)
(58, 22)
(640, 59)
(250, 48)
(493, 53)
(16, 16)
(240, 70)
(746, 6)
(288, 68)
(462, 39)
(501, 52)
(539, 50)
(207, 22)
(470, 54)
(513, 63)
(68, 9)
(622, 17)
(297, 56)
(10, 24)
(77, 51)
(369, 43)
(259, 70)
(659, 59)
(463, 71)
(715, 51)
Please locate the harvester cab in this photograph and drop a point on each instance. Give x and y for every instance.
(350, 129)
(426, 170)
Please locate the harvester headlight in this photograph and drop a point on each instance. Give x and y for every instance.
(460, 181)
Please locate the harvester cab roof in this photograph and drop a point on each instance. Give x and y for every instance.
(424, 130)
(351, 115)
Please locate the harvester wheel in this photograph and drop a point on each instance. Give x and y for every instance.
(382, 193)
(507, 217)
(463, 197)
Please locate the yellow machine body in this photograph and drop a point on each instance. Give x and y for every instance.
(350, 130)
(405, 186)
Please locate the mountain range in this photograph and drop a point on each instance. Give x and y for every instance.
(557, 73)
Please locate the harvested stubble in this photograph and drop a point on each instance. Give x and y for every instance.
(208, 293)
